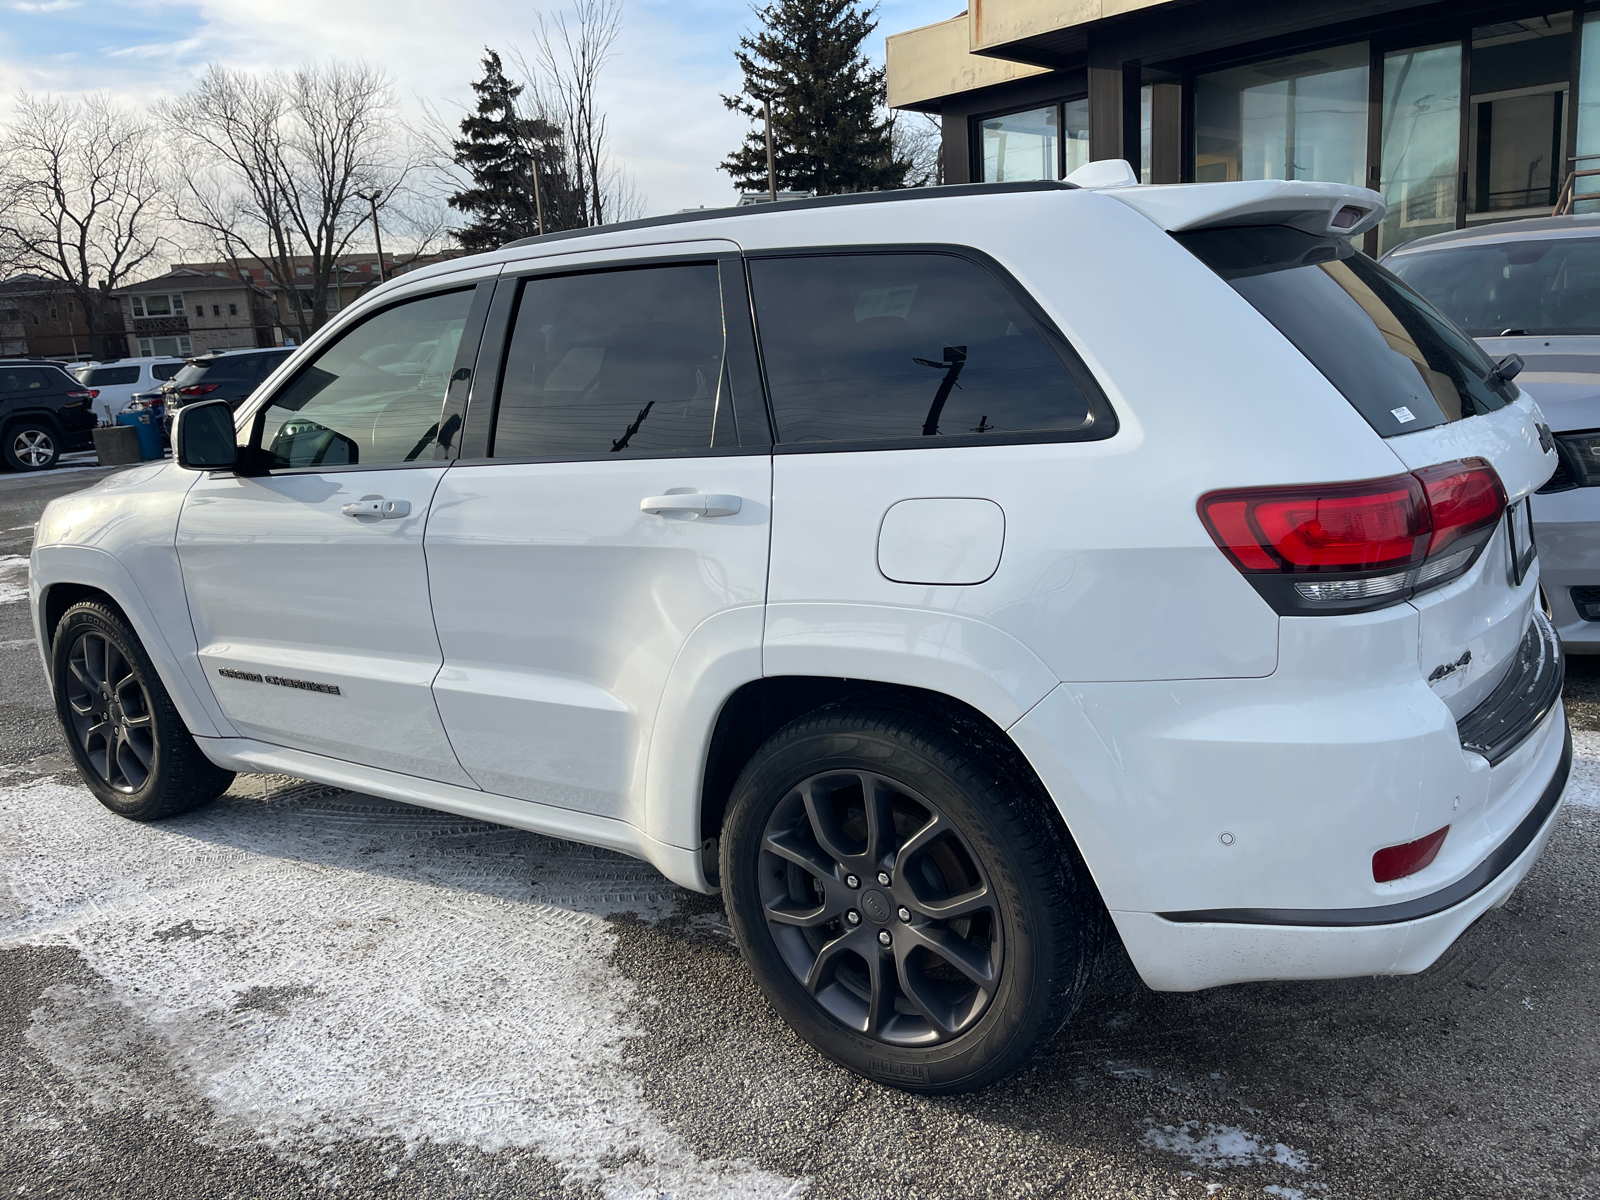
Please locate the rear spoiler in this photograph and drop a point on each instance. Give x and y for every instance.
(1316, 208)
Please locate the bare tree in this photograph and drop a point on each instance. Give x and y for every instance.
(563, 83)
(277, 168)
(80, 199)
(919, 141)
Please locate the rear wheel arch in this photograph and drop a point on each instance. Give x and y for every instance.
(758, 709)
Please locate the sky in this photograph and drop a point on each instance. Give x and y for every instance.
(672, 63)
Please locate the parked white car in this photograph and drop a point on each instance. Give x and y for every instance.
(116, 381)
(948, 577)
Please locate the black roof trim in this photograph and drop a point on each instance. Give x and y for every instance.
(717, 214)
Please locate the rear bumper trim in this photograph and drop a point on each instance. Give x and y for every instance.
(1521, 701)
(1480, 877)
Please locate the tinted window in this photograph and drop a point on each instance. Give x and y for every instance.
(374, 395)
(110, 376)
(165, 370)
(613, 363)
(895, 346)
(193, 371)
(1547, 286)
(25, 379)
(1397, 359)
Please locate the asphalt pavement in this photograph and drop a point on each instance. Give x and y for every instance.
(300, 991)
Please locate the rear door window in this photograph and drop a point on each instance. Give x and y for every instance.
(613, 364)
(909, 348)
(1401, 364)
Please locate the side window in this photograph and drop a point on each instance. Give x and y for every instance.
(372, 397)
(614, 363)
(111, 376)
(873, 347)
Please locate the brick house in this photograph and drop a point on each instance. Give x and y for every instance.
(187, 311)
(43, 318)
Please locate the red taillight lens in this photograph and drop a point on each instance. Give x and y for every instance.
(89, 395)
(1464, 497)
(1374, 525)
(1396, 862)
(197, 389)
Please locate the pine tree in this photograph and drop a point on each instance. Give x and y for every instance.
(501, 149)
(829, 131)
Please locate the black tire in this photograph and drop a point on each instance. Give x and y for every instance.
(129, 742)
(955, 1002)
(30, 446)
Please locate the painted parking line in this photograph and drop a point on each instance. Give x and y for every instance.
(316, 966)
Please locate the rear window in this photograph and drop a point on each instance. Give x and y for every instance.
(193, 372)
(166, 370)
(1400, 363)
(1549, 285)
(109, 376)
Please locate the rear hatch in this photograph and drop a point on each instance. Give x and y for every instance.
(1423, 385)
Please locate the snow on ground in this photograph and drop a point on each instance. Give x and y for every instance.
(312, 966)
(13, 578)
(1222, 1146)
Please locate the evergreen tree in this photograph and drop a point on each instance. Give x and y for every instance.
(501, 149)
(829, 131)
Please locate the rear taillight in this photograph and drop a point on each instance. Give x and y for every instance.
(1396, 862)
(1341, 547)
(89, 395)
(197, 389)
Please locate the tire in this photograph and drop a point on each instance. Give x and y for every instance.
(29, 446)
(955, 1001)
(129, 742)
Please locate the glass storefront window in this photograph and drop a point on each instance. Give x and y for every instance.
(1421, 130)
(1074, 135)
(1588, 117)
(1301, 117)
(1517, 122)
(1020, 146)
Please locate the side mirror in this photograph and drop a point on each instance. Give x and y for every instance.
(203, 438)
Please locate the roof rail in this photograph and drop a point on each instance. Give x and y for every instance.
(851, 198)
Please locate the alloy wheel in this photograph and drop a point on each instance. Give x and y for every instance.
(33, 447)
(880, 908)
(111, 714)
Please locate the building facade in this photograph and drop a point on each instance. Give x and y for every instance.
(188, 312)
(43, 318)
(1459, 112)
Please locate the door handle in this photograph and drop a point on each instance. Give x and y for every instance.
(378, 507)
(694, 504)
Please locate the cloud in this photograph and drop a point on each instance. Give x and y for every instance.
(22, 6)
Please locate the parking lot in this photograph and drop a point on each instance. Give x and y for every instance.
(300, 991)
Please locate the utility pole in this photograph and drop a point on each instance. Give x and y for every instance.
(538, 199)
(372, 198)
(772, 179)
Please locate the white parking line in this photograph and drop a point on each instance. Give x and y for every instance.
(319, 967)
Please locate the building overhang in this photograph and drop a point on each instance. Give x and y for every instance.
(924, 65)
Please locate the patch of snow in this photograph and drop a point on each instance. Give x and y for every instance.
(307, 965)
(1285, 1193)
(13, 578)
(1222, 1146)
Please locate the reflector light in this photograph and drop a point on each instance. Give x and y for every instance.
(1396, 862)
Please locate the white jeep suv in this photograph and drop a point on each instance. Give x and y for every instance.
(951, 578)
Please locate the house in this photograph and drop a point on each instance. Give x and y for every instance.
(43, 318)
(1460, 113)
(188, 312)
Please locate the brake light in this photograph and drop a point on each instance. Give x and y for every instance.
(1370, 542)
(197, 389)
(1396, 862)
(89, 395)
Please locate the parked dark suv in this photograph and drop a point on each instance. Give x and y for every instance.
(43, 411)
(229, 375)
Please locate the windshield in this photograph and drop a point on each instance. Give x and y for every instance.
(1549, 285)
(1399, 362)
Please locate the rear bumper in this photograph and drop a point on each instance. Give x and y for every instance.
(1186, 955)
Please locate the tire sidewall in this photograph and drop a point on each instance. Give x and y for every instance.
(77, 621)
(1006, 1032)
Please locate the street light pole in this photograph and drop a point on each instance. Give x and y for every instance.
(372, 199)
(772, 178)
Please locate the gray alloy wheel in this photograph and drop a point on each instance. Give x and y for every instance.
(881, 908)
(31, 448)
(111, 713)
